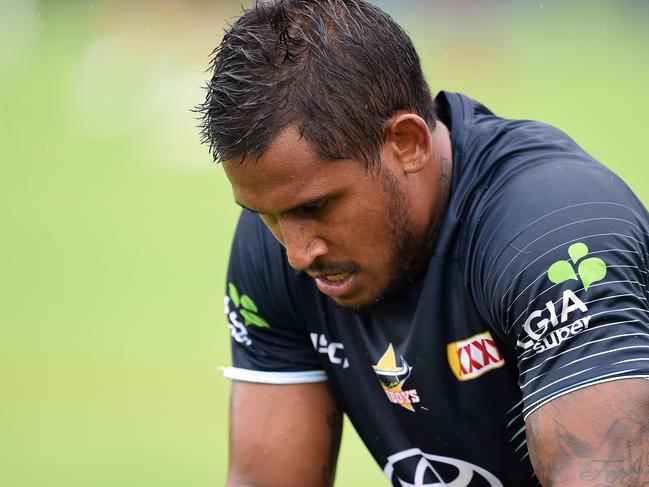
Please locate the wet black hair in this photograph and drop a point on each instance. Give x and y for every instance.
(335, 69)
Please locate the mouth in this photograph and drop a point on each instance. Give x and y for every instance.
(341, 276)
(335, 285)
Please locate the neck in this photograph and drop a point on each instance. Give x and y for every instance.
(441, 186)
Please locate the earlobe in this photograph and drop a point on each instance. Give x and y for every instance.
(409, 140)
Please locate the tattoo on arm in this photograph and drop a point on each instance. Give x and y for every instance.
(622, 457)
(619, 457)
(624, 469)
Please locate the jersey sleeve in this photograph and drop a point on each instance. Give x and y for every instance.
(269, 339)
(560, 269)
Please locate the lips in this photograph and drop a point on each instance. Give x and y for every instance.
(341, 276)
(336, 285)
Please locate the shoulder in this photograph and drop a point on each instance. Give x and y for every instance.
(511, 171)
(542, 180)
(537, 208)
(543, 196)
(557, 262)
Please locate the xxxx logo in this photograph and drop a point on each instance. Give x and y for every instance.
(474, 356)
(589, 271)
(246, 307)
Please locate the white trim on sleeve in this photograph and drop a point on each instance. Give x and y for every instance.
(247, 375)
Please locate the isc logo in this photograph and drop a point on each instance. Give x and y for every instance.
(474, 356)
(334, 350)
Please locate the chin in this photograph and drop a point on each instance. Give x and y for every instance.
(360, 304)
(396, 288)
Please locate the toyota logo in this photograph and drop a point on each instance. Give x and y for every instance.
(434, 471)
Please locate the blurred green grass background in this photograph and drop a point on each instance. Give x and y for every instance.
(116, 225)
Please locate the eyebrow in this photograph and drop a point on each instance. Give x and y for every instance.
(294, 208)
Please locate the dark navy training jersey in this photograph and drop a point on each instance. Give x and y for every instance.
(537, 287)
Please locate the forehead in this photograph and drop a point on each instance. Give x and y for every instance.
(289, 173)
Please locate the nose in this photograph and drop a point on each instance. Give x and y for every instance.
(302, 245)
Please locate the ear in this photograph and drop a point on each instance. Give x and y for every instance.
(409, 142)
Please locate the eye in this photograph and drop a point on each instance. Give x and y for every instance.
(314, 207)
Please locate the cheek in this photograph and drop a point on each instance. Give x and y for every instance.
(372, 240)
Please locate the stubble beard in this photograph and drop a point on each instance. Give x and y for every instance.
(409, 256)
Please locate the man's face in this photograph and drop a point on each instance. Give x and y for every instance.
(350, 230)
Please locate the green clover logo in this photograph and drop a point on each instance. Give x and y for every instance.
(246, 307)
(590, 270)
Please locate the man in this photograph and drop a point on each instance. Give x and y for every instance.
(470, 290)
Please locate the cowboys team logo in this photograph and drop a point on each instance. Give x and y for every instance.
(392, 378)
(414, 468)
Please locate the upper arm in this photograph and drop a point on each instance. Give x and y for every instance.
(563, 273)
(596, 436)
(563, 277)
(283, 435)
